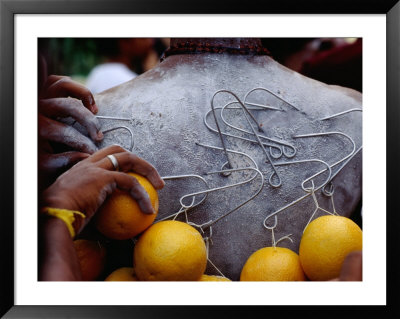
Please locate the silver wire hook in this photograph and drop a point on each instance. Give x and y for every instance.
(189, 176)
(284, 144)
(219, 130)
(311, 177)
(106, 117)
(270, 92)
(340, 113)
(125, 128)
(247, 200)
(222, 187)
(271, 227)
(320, 172)
(230, 151)
(245, 110)
(252, 178)
(271, 146)
(331, 190)
(331, 133)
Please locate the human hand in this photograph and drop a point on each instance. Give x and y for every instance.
(86, 185)
(60, 97)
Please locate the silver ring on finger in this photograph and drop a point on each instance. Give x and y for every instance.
(114, 161)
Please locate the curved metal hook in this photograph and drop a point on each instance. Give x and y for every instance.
(246, 111)
(230, 151)
(189, 176)
(320, 172)
(125, 128)
(330, 133)
(340, 113)
(106, 117)
(219, 129)
(270, 227)
(311, 177)
(331, 190)
(223, 187)
(284, 144)
(271, 146)
(270, 92)
(244, 202)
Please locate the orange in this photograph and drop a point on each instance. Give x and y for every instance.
(120, 216)
(170, 251)
(122, 274)
(213, 278)
(91, 257)
(325, 243)
(272, 264)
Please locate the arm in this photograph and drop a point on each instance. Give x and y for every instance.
(84, 188)
(57, 252)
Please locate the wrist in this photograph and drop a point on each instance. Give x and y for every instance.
(73, 220)
(54, 201)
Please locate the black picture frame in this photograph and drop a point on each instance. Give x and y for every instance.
(8, 10)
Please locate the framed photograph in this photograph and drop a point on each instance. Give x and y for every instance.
(370, 28)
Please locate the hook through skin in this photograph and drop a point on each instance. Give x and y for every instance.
(330, 133)
(270, 92)
(349, 156)
(271, 146)
(284, 144)
(311, 177)
(245, 110)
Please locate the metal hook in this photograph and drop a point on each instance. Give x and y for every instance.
(189, 176)
(230, 151)
(284, 144)
(320, 172)
(331, 190)
(330, 133)
(311, 177)
(271, 146)
(237, 184)
(125, 128)
(340, 113)
(219, 130)
(272, 228)
(222, 187)
(106, 117)
(270, 92)
(245, 110)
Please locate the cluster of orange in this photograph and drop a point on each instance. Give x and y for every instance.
(175, 251)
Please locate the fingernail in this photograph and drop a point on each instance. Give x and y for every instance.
(100, 135)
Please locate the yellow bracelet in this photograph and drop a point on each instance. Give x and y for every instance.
(65, 215)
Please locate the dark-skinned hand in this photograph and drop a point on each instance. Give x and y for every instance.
(86, 185)
(60, 97)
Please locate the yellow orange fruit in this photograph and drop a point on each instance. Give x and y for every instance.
(213, 278)
(325, 244)
(120, 216)
(170, 251)
(272, 264)
(91, 257)
(122, 274)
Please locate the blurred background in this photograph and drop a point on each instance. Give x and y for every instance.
(101, 63)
